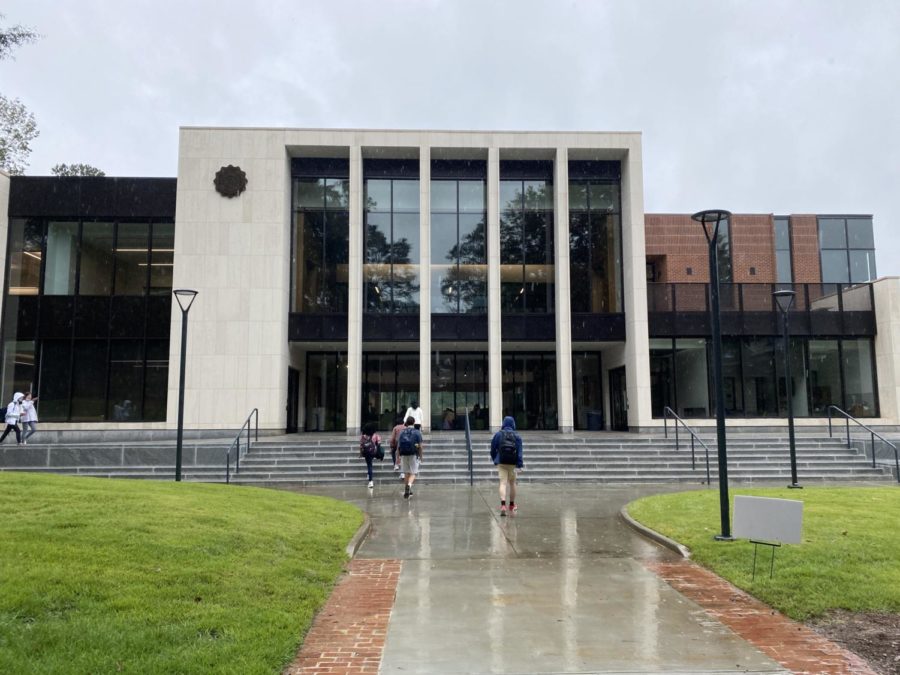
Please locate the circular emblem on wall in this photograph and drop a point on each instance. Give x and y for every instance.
(230, 181)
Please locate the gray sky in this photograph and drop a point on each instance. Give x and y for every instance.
(756, 107)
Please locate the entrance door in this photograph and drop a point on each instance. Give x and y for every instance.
(293, 401)
(618, 400)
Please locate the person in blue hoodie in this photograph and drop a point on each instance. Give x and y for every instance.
(506, 453)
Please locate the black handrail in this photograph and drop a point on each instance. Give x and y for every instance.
(668, 412)
(238, 447)
(469, 448)
(873, 434)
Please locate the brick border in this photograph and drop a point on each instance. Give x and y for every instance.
(788, 642)
(348, 634)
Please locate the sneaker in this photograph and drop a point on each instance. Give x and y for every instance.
(371, 484)
(24, 442)
(407, 492)
(514, 508)
(402, 476)
(396, 467)
(503, 509)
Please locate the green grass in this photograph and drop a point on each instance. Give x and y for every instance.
(105, 576)
(849, 557)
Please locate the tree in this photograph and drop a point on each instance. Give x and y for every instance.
(17, 130)
(76, 170)
(14, 36)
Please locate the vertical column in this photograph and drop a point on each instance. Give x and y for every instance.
(637, 342)
(425, 285)
(354, 301)
(562, 295)
(495, 347)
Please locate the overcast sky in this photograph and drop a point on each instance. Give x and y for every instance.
(755, 107)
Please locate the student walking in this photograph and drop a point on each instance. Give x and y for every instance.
(395, 438)
(506, 453)
(13, 413)
(368, 448)
(409, 446)
(415, 412)
(29, 417)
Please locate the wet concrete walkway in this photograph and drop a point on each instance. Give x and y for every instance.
(562, 587)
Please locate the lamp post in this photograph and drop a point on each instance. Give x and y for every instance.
(711, 220)
(785, 299)
(185, 298)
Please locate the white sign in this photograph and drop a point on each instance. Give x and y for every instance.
(767, 519)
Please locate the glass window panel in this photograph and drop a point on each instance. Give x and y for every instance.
(472, 245)
(782, 234)
(443, 195)
(126, 380)
(310, 193)
(378, 195)
(538, 297)
(471, 195)
(18, 368)
(62, 249)
(537, 237)
(311, 251)
(662, 377)
(799, 385)
(56, 359)
(377, 279)
(859, 233)
(512, 294)
(587, 390)
(406, 195)
(443, 375)
(538, 195)
(405, 289)
(337, 193)
(578, 199)
(336, 263)
(406, 238)
(132, 256)
(832, 233)
(472, 289)
(862, 266)
(96, 259)
(511, 237)
(444, 296)
(834, 267)
(859, 380)
(443, 239)
(758, 358)
(25, 238)
(510, 195)
(824, 375)
(579, 239)
(378, 237)
(604, 197)
(691, 380)
(162, 258)
(605, 263)
(326, 392)
(89, 365)
(156, 381)
(784, 268)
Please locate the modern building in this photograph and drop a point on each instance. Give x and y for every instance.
(343, 273)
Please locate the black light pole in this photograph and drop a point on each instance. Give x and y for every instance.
(185, 298)
(711, 220)
(785, 299)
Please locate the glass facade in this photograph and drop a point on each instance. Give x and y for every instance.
(458, 247)
(320, 249)
(595, 242)
(783, 266)
(81, 328)
(526, 245)
(459, 383)
(326, 391)
(847, 247)
(391, 247)
(390, 384)
(529, 389)
(587, 391)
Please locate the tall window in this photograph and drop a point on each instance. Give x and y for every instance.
(458, 247)
(529, 389)
(723, 252)
(459, 384)
(847, 248)
(391, 266)
(783, 266)
(320, 245)
(595, 240)
(526, 245)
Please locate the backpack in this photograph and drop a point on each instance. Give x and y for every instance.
(367, 447)
(509, 451)
(407, 442)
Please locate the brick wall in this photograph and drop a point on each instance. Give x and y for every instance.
(753, 245)
(805, 249)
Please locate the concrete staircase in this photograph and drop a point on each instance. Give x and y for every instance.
(313, 459)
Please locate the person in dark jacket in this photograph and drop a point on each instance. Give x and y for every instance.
(506, 453)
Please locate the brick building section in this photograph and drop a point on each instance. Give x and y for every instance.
(753, 249)
(791, 644)
(348, 634)
(805, 250)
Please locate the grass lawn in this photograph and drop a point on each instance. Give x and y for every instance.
(105, 576)
(849, 558)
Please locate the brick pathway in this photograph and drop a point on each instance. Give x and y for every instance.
(791, 644)
(347, 636)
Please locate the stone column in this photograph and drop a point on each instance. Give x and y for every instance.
(887, 348)
(425, 285)
(562, 294)
(495, 348)
(355, 291)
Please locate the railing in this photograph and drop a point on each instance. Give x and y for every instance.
(873, 434)
(667, 413)
(469, 449)
(239, 448)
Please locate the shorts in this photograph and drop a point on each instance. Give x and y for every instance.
(507, 473)
(409, 464)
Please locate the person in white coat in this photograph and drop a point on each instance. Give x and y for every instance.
(13, 413)
(415, 412)
(29, 417)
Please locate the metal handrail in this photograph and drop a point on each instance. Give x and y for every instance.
(469, 448)
(241, 450)
(873, 434)
(668, 412)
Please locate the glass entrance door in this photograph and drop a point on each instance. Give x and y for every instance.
(618, 400)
